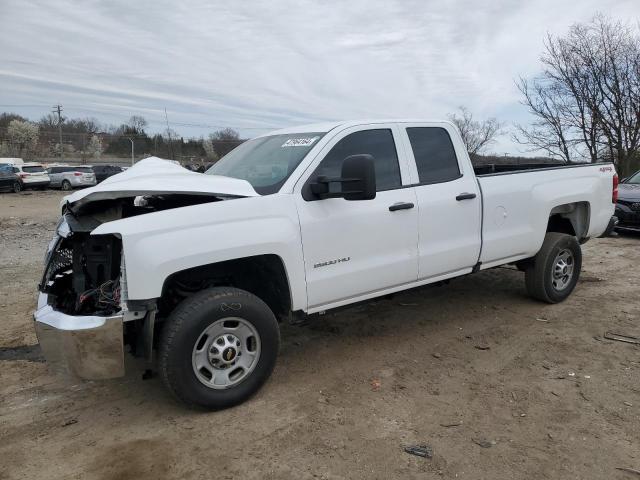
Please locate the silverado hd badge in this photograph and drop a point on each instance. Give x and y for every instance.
(331, 262)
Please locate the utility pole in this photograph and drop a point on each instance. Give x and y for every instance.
(169, 135)
(58, 110)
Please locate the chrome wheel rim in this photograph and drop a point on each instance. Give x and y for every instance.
(226, 353)
(563, 269)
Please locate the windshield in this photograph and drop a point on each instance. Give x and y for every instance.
(635, 179)
(266, 162)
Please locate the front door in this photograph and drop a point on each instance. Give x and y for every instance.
(357, 248)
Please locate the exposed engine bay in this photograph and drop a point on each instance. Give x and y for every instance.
(82, 271)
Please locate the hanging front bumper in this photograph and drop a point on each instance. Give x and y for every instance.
(88, 347)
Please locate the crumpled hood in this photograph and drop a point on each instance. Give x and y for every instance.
(629, 192)
(156, 176)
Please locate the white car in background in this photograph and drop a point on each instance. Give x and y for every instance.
(32, 175)
(69, 177)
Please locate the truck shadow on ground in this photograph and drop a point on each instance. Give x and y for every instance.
(29, 353)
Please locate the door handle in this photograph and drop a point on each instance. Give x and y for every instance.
(401, 206)
(466, 196)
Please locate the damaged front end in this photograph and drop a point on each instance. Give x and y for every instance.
(84, 318)
(81, 307)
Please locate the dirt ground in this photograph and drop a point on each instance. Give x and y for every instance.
(500, 386)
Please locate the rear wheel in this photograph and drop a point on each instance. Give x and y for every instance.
(218, 347)
(66, 185)
(554, 271)
(17, 187)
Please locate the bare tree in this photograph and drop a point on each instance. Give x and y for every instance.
(587, 100)
(550, 132)
(224, 140)
(225, 134)
(137, 124)
(476, 134)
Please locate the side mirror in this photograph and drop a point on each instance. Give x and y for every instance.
(358, 180)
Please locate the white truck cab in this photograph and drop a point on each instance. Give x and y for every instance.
(200, 268)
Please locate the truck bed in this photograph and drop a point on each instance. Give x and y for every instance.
(502, 168)
(516, 209)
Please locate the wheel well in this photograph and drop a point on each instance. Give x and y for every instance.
(262, 275)
(570, 218)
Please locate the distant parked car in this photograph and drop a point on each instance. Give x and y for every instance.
(69, 177)
(32, 175)
(628, 205)
(9, 180)
(11, 161)
(105, 171)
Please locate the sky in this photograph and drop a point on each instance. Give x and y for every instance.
(257, 66)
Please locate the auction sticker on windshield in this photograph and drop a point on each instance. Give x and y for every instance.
(299, 142)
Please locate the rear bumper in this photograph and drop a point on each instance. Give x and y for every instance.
(628, 228)
(35, 183)
(88, 347)
(81, 182)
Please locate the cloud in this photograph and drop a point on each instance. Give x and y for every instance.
(259, 65)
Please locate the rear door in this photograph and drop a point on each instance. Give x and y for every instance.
(449, 203)
(357, 248)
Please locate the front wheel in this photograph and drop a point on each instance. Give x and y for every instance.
(218, 347)
(554, 271)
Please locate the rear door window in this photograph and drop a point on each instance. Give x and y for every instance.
(434, 153)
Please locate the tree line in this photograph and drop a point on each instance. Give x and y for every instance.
(89, 139)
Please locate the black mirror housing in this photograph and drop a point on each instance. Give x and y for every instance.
(358, 180)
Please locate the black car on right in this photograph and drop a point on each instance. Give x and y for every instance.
(103, 172)
(628, 205)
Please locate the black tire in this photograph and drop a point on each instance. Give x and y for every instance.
(184, 328)
(17, 187)
(539, 276)
(66, 185)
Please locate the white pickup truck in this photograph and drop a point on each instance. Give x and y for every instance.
(200, 268)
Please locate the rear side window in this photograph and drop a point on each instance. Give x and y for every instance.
(434, 153)
(83, 169)
(377, 143)
(33, 169)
